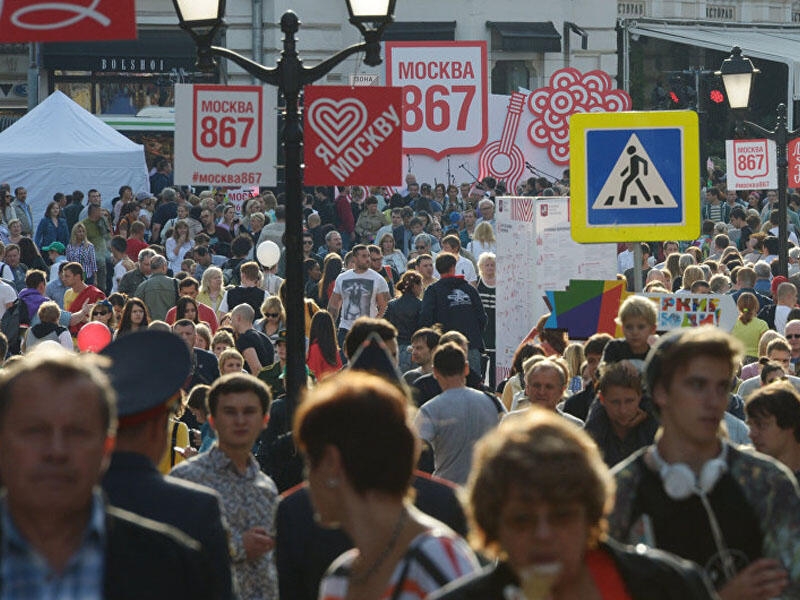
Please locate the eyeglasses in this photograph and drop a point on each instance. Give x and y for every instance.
(792, 336)
(272, 315)
(100, 313)
(308, 242)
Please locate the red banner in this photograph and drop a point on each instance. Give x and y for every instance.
(67, 20)
(353, 135)
(794, 163)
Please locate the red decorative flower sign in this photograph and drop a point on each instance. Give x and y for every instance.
(570, 92)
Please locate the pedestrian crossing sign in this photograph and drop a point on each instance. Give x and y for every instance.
(635, 176)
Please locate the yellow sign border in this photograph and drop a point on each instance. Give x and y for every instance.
(580, 123)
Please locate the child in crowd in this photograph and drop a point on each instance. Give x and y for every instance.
(230, 361)
(196, 403)
(619, 423)
(222, 341)
(637, 315)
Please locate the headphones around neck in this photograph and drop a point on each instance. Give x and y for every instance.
(680, 481)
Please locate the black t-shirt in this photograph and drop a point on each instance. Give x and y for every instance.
(253, 338)
(683, 526)
(254, 296)
(617, 350)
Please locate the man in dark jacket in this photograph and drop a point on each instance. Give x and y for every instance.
(455, 304)
(146, 392)
(57, 427)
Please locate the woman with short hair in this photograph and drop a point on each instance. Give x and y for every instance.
(360, 452)
(537, 499)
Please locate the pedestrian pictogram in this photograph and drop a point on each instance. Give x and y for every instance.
(634, 176)
(634, 182)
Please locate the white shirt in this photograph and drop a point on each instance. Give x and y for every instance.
(465, 268)
(7, 295)
(359, 292)
(781, 314)
(119, 272)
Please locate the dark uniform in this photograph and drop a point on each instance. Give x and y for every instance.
(146, 389)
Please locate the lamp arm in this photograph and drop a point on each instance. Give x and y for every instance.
(767, 133)
(260, 72)
(315, 73)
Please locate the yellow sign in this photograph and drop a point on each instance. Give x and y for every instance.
(634, 176)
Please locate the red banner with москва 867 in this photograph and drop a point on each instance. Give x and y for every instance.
(353, 134)
(67, 20)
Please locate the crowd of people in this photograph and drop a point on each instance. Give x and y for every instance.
(685, 446)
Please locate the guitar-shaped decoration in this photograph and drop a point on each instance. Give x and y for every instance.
(502, 159)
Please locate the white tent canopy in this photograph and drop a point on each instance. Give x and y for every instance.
(60, 147)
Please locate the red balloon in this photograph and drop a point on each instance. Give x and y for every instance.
(93, 337)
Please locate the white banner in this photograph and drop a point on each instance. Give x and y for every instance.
(225, 136)
(751, 164)
(445, 95)
(535, 253)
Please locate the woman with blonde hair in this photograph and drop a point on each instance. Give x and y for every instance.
(211, 291)
(691, 274)
(483, 240)
(273, 318)
(391, 255)
(573, 355)
(748, 328)
(178, 245)
(538, 499)
(81, 250)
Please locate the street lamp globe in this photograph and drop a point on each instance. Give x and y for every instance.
(737, 74)
(370, 11)
(199, 14)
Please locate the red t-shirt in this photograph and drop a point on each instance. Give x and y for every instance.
(134, 247)
(317, 363)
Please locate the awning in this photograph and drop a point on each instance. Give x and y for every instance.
(539, 36)
(154, 52)
(420, 31)
(777, 44)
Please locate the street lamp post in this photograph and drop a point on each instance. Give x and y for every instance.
(737, 74)
(202, 19)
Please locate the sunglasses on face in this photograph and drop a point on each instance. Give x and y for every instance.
(100, 313)
(272, 315)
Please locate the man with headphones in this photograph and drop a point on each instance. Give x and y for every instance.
(736, 514)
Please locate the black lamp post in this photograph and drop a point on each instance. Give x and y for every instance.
(737, 74)
(202, 19)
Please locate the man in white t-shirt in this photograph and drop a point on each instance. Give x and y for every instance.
(360, 292)
(464, 266)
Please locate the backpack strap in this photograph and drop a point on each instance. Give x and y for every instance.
(496, 401)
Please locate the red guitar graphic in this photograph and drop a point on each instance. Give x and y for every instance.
(502, 159)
